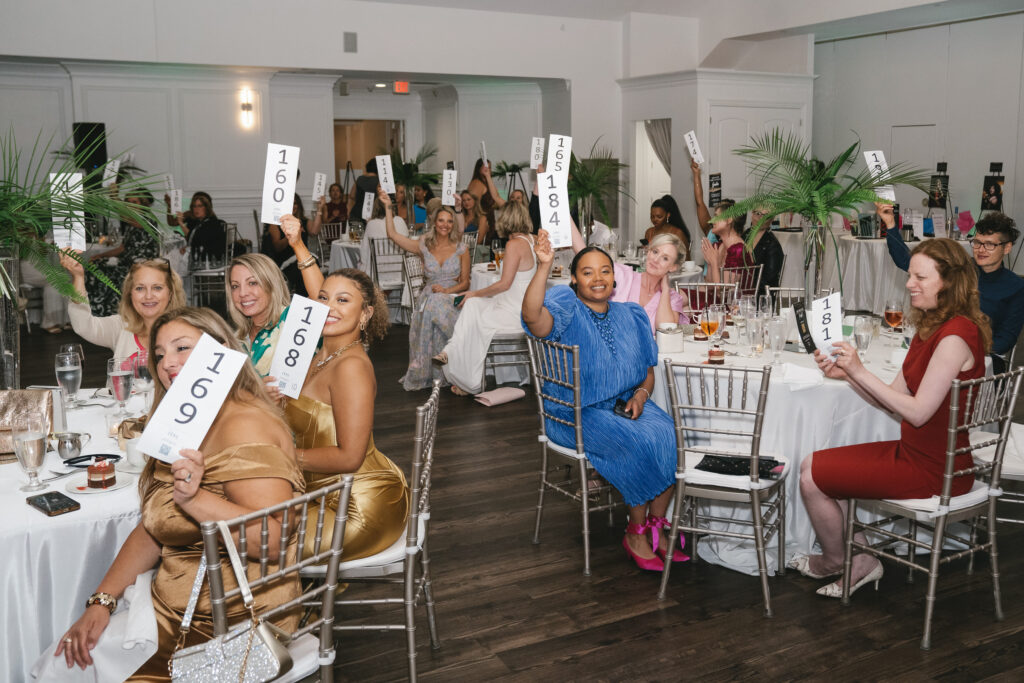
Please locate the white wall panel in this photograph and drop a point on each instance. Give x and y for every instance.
(136, 118)
(35, 103)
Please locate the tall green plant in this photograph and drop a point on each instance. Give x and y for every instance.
(596, 178)
(408, 173)
(29, 208)
(789, 180)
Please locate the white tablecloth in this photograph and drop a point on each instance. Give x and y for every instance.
(480, 277)
(344, 254)
(797, 423)
(53, 564)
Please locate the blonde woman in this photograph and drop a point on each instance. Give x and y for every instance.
(259, 300)
(149, 290)
(246, 462)
(446, 269)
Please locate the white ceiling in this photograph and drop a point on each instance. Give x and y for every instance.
(582, 9)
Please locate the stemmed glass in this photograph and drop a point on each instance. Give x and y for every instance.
(777, 337)
(141, 379)
(764, 305)
(863, 328)
(30, 447)
(120, 375)
(893, 315)
(75, 349)
(68, 368)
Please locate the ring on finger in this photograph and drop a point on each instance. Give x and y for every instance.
(188, 478)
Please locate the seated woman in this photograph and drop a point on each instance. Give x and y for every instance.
(446, 273)
(375, 230)
(246, 462)
(333, 418)
(952, 337)
(492, 309)
(206, 234)
(766, 250)
(617, 358)
(259, 304)
(662, 303)
(138, 243)
(149, 290)
(336, 209)
(421, 194)
(729, 251)
(666, 219)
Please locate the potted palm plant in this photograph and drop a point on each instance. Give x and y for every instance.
(513, 171)
(29, 210)
(789, 180)
(593, 181)
(408, 173)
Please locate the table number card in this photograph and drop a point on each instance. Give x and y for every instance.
(367, 205)
(826, 321)
(319, 186)
(536, 153)
(483, 151)
(693, 147)
(559, 153)
(176, 200)
(297, 344)
(65, 188)
(110, 172)
(385, 173)
(448, 180)
(279, 182)
(876, 162)
(191, 404)
(554, 209)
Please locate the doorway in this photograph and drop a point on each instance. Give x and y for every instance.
(358, 141)
(653, 178)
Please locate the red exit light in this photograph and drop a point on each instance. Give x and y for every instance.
(401, 87)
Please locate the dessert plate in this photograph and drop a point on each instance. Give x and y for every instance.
(83, 461)
(80, 484)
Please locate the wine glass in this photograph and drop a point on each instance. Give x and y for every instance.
(74, 348)
(120, 374)
(893, 315)
(777, 337)
(862, 332)
(764, 305)
(68, 367)
(716, 321)
(29, 435)
(142, 380)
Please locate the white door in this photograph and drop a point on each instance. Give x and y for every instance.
(732, 126)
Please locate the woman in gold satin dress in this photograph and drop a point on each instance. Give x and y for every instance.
(246, 462)
(333, 417)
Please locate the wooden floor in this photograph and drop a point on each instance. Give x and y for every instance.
(511, 610)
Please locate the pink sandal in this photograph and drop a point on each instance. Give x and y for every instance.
(654, 524)
(651, 564)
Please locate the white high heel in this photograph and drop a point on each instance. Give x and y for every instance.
(835, 589)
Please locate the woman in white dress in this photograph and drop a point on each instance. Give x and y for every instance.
(491, 309)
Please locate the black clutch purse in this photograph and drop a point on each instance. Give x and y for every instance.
(767, 468)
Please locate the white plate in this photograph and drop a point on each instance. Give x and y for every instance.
(123, 466)
(80, 484)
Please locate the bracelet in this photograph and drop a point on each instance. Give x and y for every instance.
(643, 390)
(105, 599)
(311, 261)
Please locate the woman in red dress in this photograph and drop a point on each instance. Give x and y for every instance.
(952, 338)
(729, 251)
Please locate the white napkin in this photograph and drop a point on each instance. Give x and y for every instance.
(129, 640)
(798, 378)
(496, 397)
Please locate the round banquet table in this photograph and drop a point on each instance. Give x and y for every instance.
(53, 564)
(480, 277)
(799, 419)
(344, 254)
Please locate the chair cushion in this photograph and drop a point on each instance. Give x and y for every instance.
(695, 477)
(1013, 456)
(372, 565)
(305, 652)
(562, 450)
(977, 494)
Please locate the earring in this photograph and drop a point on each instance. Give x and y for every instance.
(362, 325)
(614, 284)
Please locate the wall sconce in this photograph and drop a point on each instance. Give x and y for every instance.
(247, 115)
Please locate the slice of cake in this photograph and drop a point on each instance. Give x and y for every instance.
(101, 475)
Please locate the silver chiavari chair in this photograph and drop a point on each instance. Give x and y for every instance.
(386, 260)
(412, 273)
(469, 239)
(407, 561)
(784, 297)
(719, 412)
(312, 645)
(700, 295)
(330, 232)
(747, 278)
(973, 405)
(555, 369)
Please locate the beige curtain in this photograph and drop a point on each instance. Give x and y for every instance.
(659, 132)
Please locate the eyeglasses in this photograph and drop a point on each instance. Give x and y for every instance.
(158, 262)
(987, 247)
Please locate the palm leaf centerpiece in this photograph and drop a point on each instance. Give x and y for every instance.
(789, 180)
(408, 173)
(592, 181)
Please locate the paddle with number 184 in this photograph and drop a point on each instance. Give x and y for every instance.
(554, 209)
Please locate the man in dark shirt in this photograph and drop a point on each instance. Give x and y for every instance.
(1001, 290)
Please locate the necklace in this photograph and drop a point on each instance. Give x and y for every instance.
(597, 316)
(320, 364)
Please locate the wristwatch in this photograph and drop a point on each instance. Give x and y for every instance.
(105, 599)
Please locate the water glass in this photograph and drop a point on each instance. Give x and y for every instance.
(777, 337)
(764, 305)
(863, 328)
(75, 349)
(755, 330)
(120, 375)
(29, 432)
(68, 368)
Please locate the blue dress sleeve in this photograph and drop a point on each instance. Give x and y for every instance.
(898, 249)
(646, 346)
(561, 303)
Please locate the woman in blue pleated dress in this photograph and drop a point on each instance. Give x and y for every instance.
(636, 454)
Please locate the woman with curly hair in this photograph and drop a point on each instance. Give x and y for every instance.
(952, 338)
(332, 418)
